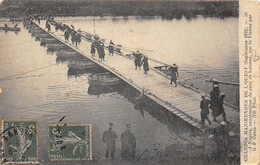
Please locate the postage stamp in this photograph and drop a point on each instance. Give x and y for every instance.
(19, 141)
(70, 142)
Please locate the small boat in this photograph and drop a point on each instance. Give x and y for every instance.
(66, 53)
(37, 31)
(10, 28)
(82, 64)
(35, 27)
(49, 40)
(97, 90)
(56, 46)
(42, 35)
(75, 72)
(103, 79)
(29, 26)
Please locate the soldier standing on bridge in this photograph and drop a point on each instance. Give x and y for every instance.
(145, 64)
(221, 110)
(174, 73)
(204, 106)
(111, 48)
(214, 97)
(137, 61)
(109, 137)
(93, 50)
(77, 38)
(67, 35)
(73, 33)
(102, 51)
(48, 26)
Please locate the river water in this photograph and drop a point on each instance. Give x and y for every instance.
(203, 48)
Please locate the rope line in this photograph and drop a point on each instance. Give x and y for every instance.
(18, 74)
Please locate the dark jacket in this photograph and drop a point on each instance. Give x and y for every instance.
(111, 47)
(145, 64)
(109, 137)
(204, 106)
(128, 144)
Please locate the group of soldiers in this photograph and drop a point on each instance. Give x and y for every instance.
(141, 60)
(128, 143)
(68, 31)
(215, 104)
(98, 45)
(75, 36)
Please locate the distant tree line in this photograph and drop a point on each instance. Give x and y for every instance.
(165, 9)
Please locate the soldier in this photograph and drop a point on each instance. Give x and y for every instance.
(111, 48)
(128, 144)
(221, 110)
(73, 33)
(214, 99)
(48, 26)
(174, 73)
(102, 51)
(77, 38)
(137, 61)
(204, 106)
(93, 50)
(67, 35)
(145, 64)
(109, 137)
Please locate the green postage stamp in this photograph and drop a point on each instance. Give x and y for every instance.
(70, 142)
(19, 141)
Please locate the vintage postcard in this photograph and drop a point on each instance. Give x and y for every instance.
(129, 81)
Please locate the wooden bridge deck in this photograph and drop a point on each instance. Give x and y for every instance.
(182, 101)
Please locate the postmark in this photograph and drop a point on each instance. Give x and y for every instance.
(70, 142)
(19, 141)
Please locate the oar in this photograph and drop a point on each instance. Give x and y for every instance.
(222, 82)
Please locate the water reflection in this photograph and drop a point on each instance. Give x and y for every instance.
(98, 90)
(78, 72)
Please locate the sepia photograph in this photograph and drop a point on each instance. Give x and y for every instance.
(127, 82)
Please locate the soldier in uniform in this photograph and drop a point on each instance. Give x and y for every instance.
(93, 49)
(204, 106)
(214, 98)
(128, 144)
(111, 48)
(138, 58)
(145, 64)
(109, 137)
(174, 73)
(221, 110)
